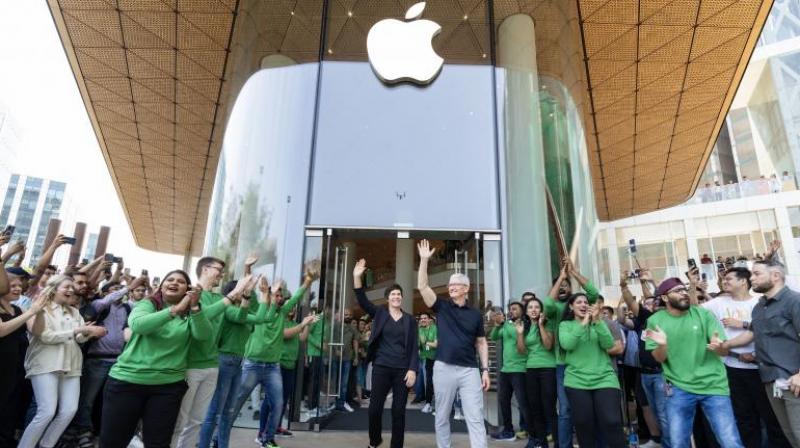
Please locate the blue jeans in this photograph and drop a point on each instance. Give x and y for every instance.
(653, 385)
(343, 383)
(564, 418)
(95, 372)
(220, 410)
(268, 375)
(419, 386)
(719, 413)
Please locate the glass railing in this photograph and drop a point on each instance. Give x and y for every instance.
(747, 188)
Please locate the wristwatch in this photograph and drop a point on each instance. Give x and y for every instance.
(745, 325)
(484, 369)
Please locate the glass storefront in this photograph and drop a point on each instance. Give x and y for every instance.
(323, 161)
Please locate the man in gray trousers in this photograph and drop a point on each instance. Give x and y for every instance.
(461, 333)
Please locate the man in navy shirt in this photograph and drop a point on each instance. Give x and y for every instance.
(456, 369)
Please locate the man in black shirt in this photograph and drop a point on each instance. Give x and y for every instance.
(461, 333)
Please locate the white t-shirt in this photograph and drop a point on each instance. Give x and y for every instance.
(724, 306)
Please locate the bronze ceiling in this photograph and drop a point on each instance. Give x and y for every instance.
(652, 78)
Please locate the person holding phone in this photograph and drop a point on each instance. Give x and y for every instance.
(393, 351)
(149, 379)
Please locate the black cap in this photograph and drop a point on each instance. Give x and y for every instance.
(19, 272)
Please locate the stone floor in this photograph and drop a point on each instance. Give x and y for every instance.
(336, 439)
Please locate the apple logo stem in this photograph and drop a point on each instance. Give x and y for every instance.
(402, 51)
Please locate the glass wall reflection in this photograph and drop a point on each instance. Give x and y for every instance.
(262, 180)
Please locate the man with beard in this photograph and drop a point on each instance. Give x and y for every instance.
(751, 406)
(512, 374)
(683, 339)
(775, 327)
(554, 304)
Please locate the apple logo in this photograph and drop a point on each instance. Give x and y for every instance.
(403, 51)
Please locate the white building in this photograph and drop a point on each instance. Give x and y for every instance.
(748, 194)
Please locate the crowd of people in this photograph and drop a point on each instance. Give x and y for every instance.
(95, 355)
(720, 191)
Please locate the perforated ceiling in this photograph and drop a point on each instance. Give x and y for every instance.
(158, 77)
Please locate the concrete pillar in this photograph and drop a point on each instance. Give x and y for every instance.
(77, 248)
(791, 257)
(53, 228)
(691, 242)
(404, 271)
(102, 241)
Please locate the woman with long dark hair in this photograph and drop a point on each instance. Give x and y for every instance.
(592, 386)
(394, 354)
(149, 379)
(535, 340)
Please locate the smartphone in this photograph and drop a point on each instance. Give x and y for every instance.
(632, 245)
(9, 230)
(692, 264)
(85, 261)
(144, 272)
(69, 240)
(108, 257)
(117, 260)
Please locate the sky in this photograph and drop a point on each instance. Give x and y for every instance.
(38, 89)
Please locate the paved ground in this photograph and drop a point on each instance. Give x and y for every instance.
(242, 438)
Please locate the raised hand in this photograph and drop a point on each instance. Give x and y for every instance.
(251, 260)
(312, 271)
(658, 336)
(623, 280)
(361, 267)
(425, 250)
(519, 326)
(693, 275)
(773, 248)
(645, 275)
(4, 239)
(194, 296)
(38, 304)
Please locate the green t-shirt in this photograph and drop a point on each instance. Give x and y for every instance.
(205, 354)
(266, 341)
(588, 364)
(513, 360)
(237, 326)
(554, 311)
(538, 356)
(159, 347)
(689, 364)
(427, 334)
(315, 336)
(291, 346)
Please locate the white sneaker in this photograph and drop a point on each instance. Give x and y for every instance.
(347, 407)
(650, 444)
(426, 409)
(459, 415)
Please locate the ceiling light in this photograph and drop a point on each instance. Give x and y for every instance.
(349, 13)
(466, 17)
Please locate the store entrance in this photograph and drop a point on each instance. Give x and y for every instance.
(332, 380)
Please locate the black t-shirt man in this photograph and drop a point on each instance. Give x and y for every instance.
(458, 328)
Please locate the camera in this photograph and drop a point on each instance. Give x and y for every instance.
(9, 230)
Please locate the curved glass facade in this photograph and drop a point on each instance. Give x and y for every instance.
(322, 160)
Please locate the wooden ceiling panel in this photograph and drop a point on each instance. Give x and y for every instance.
(159, 77)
